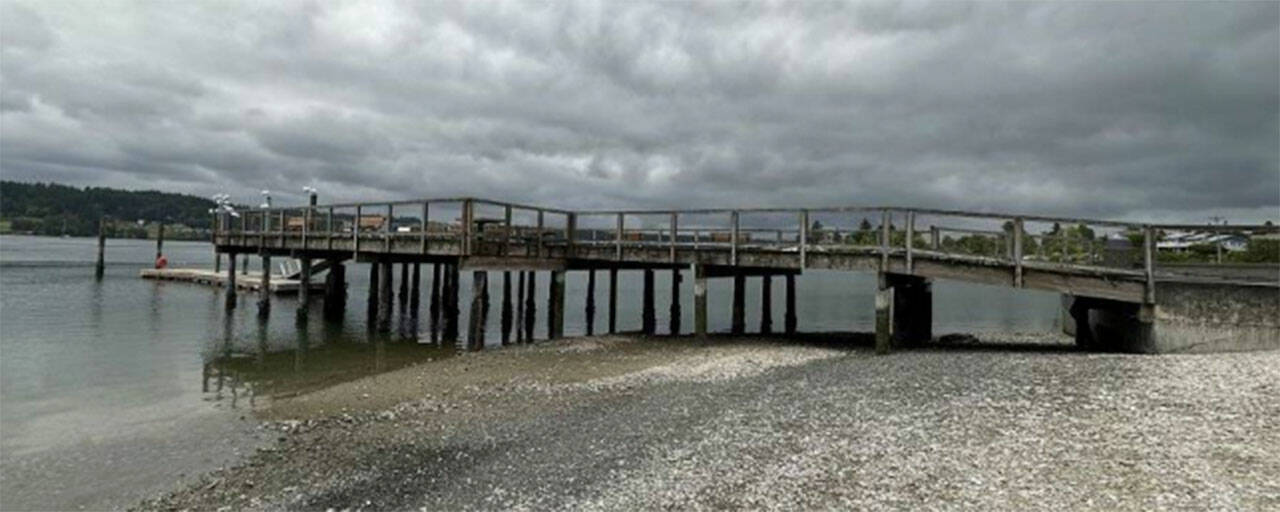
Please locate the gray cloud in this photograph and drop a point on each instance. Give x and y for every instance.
(1128, 110)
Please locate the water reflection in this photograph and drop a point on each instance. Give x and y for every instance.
(316, 354)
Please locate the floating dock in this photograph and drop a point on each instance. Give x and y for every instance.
(249, 281)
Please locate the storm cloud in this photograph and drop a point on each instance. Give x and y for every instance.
(1161, 111)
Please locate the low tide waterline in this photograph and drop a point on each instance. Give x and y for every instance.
(84, 362)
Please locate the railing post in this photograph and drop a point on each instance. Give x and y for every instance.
(422, 228)
(733, 238)
(911, 232)
(804, 239)
(675, 225)
(355, 234)
(328, 228)
(935, 238)
(386, 227)
(570, 228)
(506, 231)
(306, 225)
(1149, 262)
(1017, 252)
(467, 226)
(884, 240)
(282, 227)
(617, 237)
(541, 225)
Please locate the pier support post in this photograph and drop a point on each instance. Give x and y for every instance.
(613, 301)
(647, 315)
(766, 304)
(699, 301)
(244, 267)
(673, 323)
(591, 302)
(304, 291)
(904, 311)
(479, 309)
(738, 323)
(384, 295)
(519, 305)
(415, 286)
(789, 318)
(264, 289)
(335, 290)
(371, 307)
(555, 307)
(506, 307)
(403, 296)
(433, 309)
(530, 307)
(451, 303)
(231, 282)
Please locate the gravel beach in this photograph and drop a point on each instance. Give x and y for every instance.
(997, 422)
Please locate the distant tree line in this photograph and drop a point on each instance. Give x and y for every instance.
(53, 209)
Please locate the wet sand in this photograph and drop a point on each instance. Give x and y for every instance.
(1008, 422)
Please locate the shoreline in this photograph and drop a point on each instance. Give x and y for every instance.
(630, 422)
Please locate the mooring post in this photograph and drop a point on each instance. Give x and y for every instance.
(789, 318)
(506, 307)
(699, 301)
(673, 323)
(384, 295)
(530, 307)
(591, 302)
(555, 318)
(371, 308)
(519, 305)
(100, 268)
(648, 317)
(738, 323)
(766, 304)
(159, 244)
(434, 308)
(264, 289)
(613, 300)
(231, 282)
(479, 309)
(304, 290)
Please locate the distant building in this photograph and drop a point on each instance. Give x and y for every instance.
(1181, 241)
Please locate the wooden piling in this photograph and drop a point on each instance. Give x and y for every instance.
(479, 309)
(384, 295)
(738, 323)
(335, 290)
(555, 305)
(304, 291)
(789, 320)
(699, 301)
(159, 243)
(766, 304)
(673, 322)
(434, 308)
(519, 305)
(264, 290)
(591, 302)
(506, 307)
(231, 283)
(403, 296)
(415, 295)
(371, 308)
(530, 307)
(451, 304)
(613, 301)
(648, 317)
(100, 268)
(884, 319)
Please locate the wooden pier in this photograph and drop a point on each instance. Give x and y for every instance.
(1115, 282)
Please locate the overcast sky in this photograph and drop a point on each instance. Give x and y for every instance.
(1161, 111)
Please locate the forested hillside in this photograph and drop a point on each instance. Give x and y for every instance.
(53, 209)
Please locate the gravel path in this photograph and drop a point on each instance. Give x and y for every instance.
(742, 423)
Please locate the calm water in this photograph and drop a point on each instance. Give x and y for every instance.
(83, 361)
